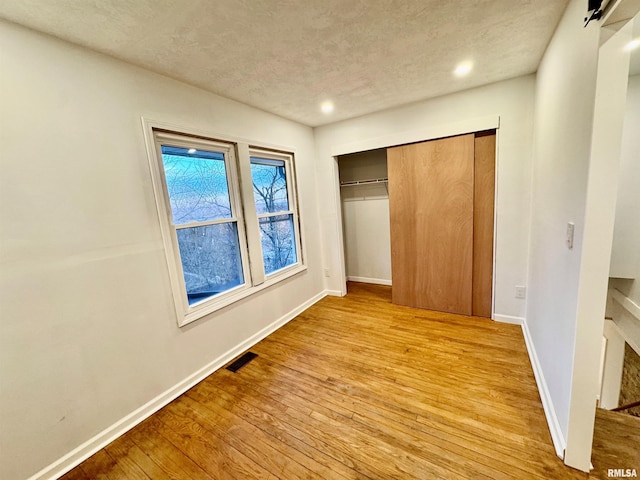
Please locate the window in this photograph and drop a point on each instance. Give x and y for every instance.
(276, 215)
(204, 218)
(229, 219)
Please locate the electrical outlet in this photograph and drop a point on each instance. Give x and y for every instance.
(521, 291)
(326, 272)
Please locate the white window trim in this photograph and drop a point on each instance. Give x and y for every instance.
(173, 253)
(292, 198)
(243, 210)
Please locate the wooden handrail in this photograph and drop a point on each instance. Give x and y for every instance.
(626, 407)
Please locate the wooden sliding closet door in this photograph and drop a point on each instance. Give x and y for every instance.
(431, 187)
(483, 213)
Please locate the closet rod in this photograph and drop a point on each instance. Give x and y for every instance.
(364, 182)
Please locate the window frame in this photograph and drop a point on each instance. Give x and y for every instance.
(292, 200)
(241, 196)
(175, 139)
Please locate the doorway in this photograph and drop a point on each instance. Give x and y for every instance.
(617, 423)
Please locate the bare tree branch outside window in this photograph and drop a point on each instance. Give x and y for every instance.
(202, 213)
(199, 192)
(276, 224)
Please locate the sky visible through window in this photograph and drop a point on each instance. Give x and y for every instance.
(197, 184)
(199, 192)
(277, 233)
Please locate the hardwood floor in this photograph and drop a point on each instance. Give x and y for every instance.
(616, 443)
(354, 388)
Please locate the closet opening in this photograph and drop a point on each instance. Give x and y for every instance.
(364, 195)
(420, 218)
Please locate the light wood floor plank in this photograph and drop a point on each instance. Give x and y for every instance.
(616, 443)
(313, 393)
(216, 457)
(134, 460)
(356, 388)
(172, 460)
(293, 439)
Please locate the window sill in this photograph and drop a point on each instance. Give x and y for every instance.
(209, 307)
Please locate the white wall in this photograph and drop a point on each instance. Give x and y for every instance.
(565, 90)
(367, 239)
(365, 217)
(625, 253)
(88, 331)
(567, 184)
(512, 101)
(600, 206)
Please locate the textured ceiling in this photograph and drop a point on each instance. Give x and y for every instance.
(288, 56)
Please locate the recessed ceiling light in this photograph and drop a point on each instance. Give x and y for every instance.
(326, 107)
(192, 150)
(463, 69)
(633, 44)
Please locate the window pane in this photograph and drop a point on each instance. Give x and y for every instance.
(269, 185)
(197, 184)
(278, 242)
(210, 259)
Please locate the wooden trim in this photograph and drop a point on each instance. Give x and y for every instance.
(626, 407)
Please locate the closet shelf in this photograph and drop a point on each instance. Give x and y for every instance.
(364, 182)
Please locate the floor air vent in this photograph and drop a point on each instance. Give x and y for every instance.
(241, 361)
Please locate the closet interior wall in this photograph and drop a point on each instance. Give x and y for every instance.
(365, 216)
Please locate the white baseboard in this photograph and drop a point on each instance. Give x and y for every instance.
(508, 319)
(91, 446)
(557, 437)
(377, 281)
(334, 293)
